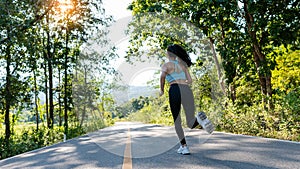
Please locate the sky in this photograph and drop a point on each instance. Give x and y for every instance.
(117, 8)
(142, 73)
(134, 75)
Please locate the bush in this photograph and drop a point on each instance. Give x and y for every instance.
(153, 114)
(279, 123)
(29, 139)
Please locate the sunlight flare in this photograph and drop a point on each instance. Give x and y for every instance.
(65, 6)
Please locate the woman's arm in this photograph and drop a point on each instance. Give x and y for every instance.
(163, 79)
(189, 79)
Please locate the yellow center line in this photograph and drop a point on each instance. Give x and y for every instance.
(127, 162)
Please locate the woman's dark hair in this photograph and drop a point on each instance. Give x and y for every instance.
(181, 53)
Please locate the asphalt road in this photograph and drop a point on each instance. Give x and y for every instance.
(140, 146)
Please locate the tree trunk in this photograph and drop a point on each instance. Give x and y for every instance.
(46, 96)
(59, 99)
(233, 91)
(36, 101)
(221, 81)
(7, 95)
(50, 74)
(51, 105)
(85, 96)
(66, 85)
(269, 91)
(262, 68)
(264, 74)
(46, 86)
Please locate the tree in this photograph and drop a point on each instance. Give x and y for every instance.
(80, 21)
(57, 39)
(233, 26)
(191, 36)
(13, 55)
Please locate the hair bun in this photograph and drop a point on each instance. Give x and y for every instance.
(181, 53)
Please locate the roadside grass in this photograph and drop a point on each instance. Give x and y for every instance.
(229, 123)
(24, 136)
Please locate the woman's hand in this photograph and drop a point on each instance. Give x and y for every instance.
(161, 93)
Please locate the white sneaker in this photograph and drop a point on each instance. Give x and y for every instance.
(204, 122)
(183, 150)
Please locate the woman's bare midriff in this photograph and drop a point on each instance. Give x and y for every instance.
(179, 81)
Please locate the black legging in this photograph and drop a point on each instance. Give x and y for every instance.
(182, 94)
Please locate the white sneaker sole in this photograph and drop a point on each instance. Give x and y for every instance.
(204, 122)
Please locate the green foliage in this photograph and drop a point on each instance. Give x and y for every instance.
(290, 117)
(282, 122)
(123, 110)
(154, 110)
(247, 115)
(108, 119)
(293, 102)
(202, 89)
(286, 76)
(40, 47)
(139, 103)
(249, 37)
(286, 81)
(131, 106)
(153, 113)
(29, 139)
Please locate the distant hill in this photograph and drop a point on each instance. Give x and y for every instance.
(122, 96)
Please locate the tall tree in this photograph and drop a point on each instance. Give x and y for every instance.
(14, 18)
(79, 21)
(270, 22)
(234, 25)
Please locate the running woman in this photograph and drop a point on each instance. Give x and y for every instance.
(176, 73)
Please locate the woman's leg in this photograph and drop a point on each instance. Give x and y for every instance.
(175, 105)
(188, 104)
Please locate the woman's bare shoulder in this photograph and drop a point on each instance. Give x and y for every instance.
(167, 64)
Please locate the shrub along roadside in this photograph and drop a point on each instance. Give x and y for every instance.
(28, 139)
(247, 119)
